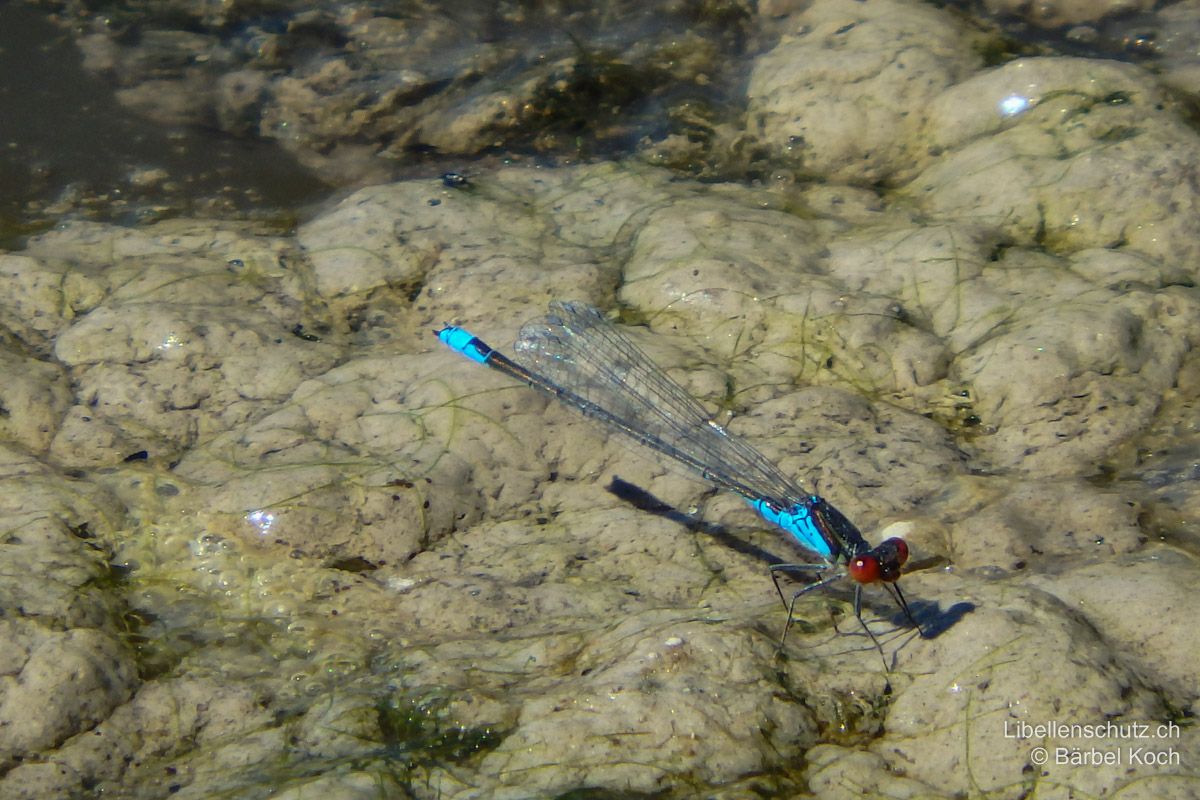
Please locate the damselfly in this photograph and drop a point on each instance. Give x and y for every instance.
(577, 356)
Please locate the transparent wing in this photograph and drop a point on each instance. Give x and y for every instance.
(575, 348)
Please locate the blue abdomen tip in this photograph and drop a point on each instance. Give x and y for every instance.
(464, 342)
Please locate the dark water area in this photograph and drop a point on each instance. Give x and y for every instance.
(136, 112)
(67, 146)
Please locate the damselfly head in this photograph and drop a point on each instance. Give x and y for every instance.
(881, 564)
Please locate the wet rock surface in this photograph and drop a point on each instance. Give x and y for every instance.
(264, 536)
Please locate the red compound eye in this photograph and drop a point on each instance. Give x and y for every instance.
(864, 568)
(901, 550)
(881, 564)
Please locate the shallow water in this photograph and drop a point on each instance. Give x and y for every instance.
(266, 538)
(73, 150)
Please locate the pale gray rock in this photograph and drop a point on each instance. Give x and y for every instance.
(844, 95)
(351, 559)
(1067, 154)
